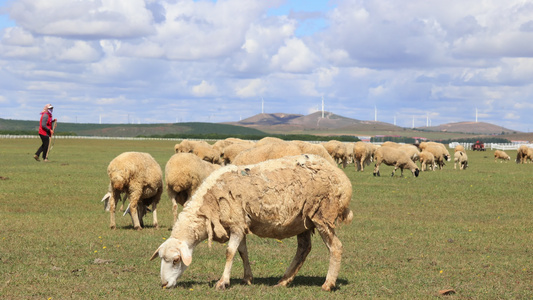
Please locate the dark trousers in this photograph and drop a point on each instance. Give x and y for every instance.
(44, 147)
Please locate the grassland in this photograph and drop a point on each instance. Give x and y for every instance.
(469, 231)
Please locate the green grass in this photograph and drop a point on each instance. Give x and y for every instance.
(470, 231)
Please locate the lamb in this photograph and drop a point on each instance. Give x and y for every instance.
(277, 199)
(363, 153)
(139, 176)
(521, 154)
(411, 150)
(394, 157)
(460, 158)
(337, 150)
(499, 154)
(184, 172)
(427, 160)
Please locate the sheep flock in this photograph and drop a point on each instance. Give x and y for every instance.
(270, 188)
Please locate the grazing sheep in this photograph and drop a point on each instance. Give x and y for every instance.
(499, 154)
(222, 145)
(394, 157)
(411, 151)
(427, 160)
(390, 144)
(231, 151)
(139, 176)
(265, 152)
(461, 158)
(446, 154)
(439, 154)
(521, 154)
(208, 153)
(317, 149)
(187, 146)
(268, 140)
(277, 199)
(459, 148)
(184, 172)
(363, 154)
(337, 150)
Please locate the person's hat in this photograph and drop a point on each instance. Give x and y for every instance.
(50, 106)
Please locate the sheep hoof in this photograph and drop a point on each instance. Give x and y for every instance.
(247, 281)
(221, 285)
(327, 287)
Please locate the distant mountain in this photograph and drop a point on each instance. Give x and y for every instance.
(470, 127)
(290, 122)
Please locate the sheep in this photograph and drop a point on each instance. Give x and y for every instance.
(187, 146)
(439, 154)
(394, 157)
(459, 148)
(460, 158)
(139, 176)
(268, 140)
(231, 151)
(265, 152)
(427, 160)
(363, 153)
(337, 150)
(308, 148)
(390, 144)
(222, 146)
(207, 152)
(499, 154)
(446, 154)
(279, 198)
(521, 154)
(184, 172)
(411, 150)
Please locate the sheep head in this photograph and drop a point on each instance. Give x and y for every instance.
(175, 256)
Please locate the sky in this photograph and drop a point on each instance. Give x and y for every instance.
(421, 62)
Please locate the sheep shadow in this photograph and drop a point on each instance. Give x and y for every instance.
(306, 281)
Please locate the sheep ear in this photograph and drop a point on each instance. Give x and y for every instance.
(186, 256)
(156, 254)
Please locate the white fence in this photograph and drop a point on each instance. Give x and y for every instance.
(468, 146)
(491, 146)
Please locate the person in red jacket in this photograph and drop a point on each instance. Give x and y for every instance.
(45, 131)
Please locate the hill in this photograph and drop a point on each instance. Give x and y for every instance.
(470, 127)
(130, 130)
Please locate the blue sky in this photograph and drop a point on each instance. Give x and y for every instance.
(151, 61)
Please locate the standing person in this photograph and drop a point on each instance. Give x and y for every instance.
(45, 131)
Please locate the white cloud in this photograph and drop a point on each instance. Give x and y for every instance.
(204, 89)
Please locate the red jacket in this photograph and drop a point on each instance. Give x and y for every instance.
(45, 131)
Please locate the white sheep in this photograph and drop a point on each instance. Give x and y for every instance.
(521, 154)
(394, 157)
(439, 154)
(187, 146)
(277, 199)
(427, 160)
(184, 172)
(231, 151)
(460, 158)
(337, 150)
(317, 149)
(459, 148)
(265, 152)
(499, 154)
(363, 154)
(139, 176)
(445, 154)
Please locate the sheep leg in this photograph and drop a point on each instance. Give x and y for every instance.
(335, 254)
(376, 169)
(115, 196)
(243, 252)
(233, 244)
(304, 247)
(135, 198)
(154, 213)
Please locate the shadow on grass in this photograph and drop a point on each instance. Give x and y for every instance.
(272, 281)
